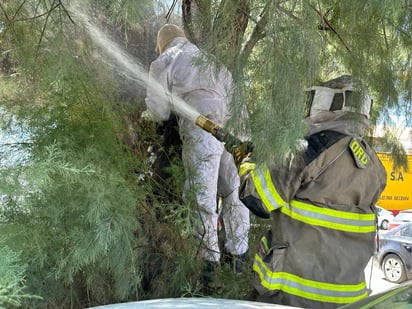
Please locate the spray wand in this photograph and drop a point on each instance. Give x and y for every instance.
(188, 112)
(235, 146)
(218, 132)
(239, 150)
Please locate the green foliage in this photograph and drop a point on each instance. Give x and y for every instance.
(284, 61)
(72, 207)
(389, 143)
(81, 208)
(78, 222)
(12, 274)
(126, 13)
(288, 45)
(94, 218)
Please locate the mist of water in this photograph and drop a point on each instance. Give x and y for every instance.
(125, 64)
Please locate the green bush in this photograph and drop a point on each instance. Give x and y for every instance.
(12, 278)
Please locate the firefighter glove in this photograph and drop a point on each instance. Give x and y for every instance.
(241, 152)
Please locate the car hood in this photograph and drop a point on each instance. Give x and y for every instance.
(189, 303)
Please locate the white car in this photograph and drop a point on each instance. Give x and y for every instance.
(384, 217)
(398, 296)
(194, 303)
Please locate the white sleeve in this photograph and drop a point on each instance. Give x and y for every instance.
(157, 93)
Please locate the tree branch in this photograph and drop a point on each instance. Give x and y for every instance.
(15, 14)
(326, 22)
(65, 10)
(257, 34)
(199, 8)
(4, 12)
(45, 23)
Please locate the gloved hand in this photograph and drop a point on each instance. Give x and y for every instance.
(148, 116)
(241, 152)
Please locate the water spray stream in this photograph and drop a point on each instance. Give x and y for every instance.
(134, 71)
(129, 67)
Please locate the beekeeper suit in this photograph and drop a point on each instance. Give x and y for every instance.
(321, 206)
(183, 72)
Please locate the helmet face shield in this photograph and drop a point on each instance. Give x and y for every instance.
(330, 99)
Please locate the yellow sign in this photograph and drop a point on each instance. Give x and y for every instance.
(398, 192)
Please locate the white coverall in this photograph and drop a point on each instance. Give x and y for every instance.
(183, 71)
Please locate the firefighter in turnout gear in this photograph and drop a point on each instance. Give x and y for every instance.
(321, 205)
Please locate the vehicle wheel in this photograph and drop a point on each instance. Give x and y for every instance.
(384, 224)
(393, 269)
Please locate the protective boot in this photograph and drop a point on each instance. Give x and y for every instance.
(238, 263)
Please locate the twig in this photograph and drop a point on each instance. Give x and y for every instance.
(325, 20)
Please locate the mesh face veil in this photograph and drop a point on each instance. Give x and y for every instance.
(346, 99)
(165, 36)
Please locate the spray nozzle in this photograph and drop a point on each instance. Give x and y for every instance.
(218, 132)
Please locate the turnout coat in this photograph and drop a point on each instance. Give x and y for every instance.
(323, 223)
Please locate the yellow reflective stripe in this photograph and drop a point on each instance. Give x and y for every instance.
(306, 288)
(308, 213)
(330, 218)
(334, 212)
(265, 244)
(245, 167)
(266, 190)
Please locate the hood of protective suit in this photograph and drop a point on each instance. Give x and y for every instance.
(343, 122)
(166, 35)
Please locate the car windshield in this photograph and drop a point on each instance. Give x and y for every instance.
(406, 231)
(400, 297)
(407, 216)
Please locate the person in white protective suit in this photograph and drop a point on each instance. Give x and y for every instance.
(182, 70)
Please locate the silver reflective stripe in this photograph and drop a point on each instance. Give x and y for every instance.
(309, 213)
(267, 191)
(310, 289)
(330, 218)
